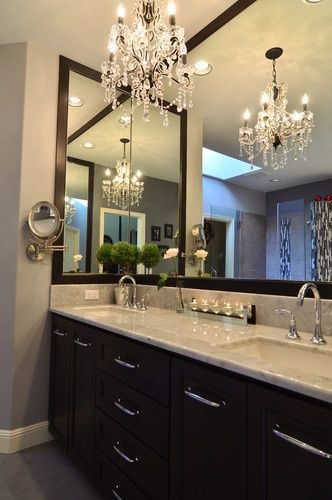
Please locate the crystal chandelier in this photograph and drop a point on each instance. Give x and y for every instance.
(69, 209)
(277, 132)
(148, 56)
(123, 190)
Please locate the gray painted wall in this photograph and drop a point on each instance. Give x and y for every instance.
(29, 79)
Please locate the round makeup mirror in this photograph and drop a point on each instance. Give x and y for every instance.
(44, 220)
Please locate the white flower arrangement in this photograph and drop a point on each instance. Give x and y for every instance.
(78, 257)
(201, 254)
(171, 253)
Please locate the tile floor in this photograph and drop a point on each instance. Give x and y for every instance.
(43, 473)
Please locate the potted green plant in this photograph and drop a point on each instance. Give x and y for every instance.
(104, 256)
(126, 256)
(150, 256)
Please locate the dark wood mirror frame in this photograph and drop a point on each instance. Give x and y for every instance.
(269, 287)
(65, 67)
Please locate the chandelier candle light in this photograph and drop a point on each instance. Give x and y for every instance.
(148, 56)
(277, 132)
(123, 190)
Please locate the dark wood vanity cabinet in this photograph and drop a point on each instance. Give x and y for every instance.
(290, 447)
(60, 379)
(72, 389)
(146, 424)
(208, 457)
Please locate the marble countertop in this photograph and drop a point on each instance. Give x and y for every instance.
(212, 341)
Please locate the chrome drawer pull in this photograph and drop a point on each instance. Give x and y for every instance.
(122, 455)
(82, 344)
(125, 364)
(124, 409)
(116, 495)
(200, 399)
(303, 445)
(60, 334)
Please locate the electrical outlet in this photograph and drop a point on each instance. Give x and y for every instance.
(91, 294)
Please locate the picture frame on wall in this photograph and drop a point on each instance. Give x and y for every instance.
(168, 231)
(155, 233)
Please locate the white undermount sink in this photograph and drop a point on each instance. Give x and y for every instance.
(315, 360)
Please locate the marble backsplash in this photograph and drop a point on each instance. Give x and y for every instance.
(62, 295)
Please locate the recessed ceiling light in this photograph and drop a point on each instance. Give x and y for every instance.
(311, 1)
(275, 180)
(202, 68)
(74, 101)
(87, 145)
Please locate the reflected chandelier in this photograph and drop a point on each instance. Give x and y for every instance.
(148, 56)
(123, 190)
(277, 131)
(70, 210)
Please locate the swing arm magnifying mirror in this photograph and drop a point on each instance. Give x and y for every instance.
(45, 226)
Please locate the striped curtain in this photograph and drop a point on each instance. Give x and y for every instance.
(285, 249)
(321, 241)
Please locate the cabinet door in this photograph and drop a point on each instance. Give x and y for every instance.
(208, 437)
(290, 447)
(83, 398)
(61, 359)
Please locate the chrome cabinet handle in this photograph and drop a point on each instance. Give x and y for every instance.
(115, 494)
(125, 364)
(202, 400)
(303, 445)
(60, 334)
(82, 344)
(124, 409)
(123, 455)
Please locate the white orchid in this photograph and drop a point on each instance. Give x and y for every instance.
(78, 257)
(201, 254)
(171, 253)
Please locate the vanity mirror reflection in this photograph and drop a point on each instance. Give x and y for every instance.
(101, 149)
(262, 226)
(267, 221)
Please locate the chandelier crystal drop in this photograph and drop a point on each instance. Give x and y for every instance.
(148, 56)
(277, 131)
(70, 210)
(124, 189)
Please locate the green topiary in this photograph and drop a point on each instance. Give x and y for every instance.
(125, 255)
(150, 255)
(104, 255)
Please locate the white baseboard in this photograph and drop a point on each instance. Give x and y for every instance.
(25, 437)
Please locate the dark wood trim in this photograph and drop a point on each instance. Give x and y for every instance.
(220, 21)
(97, 118)
(183, 190)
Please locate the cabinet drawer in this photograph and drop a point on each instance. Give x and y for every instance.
(112, 483)
(143, 417)
(136, 460)
(138, 366)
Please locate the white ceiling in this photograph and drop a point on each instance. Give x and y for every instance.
(156, 151)
(237, 52)
(78, 29)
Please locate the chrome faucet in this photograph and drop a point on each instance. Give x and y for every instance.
(318, 336)
(132, 279)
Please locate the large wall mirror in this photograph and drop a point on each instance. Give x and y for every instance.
(266, 229)
(95, 141)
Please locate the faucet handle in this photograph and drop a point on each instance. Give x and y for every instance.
(292, 333)
(142, 305)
